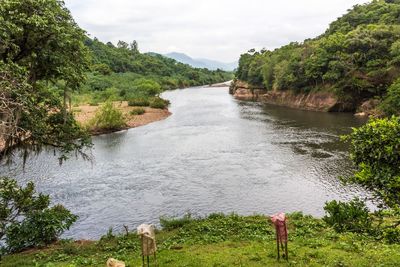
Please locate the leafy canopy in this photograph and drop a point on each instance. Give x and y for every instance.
(375, 150)
(42, 36)
(40, 44)
(26, 220)
(358, 57)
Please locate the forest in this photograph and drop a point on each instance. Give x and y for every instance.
(122, 72)
(357, 58)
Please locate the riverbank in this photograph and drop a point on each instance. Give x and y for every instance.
(224, 241)
(85, 113)
(223, 84)
(314, 101)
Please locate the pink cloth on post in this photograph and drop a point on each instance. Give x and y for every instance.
(279, 220)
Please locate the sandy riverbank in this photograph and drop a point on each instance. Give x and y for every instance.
(84, 113)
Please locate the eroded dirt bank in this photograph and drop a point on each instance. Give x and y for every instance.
(316, 101)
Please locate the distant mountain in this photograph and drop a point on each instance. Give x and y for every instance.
(202, 62)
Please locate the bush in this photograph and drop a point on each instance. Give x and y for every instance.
(137, 111)
(348, 217)
(26, 220)
(102, 68)
(138, 102)
(107, 118)
(392, 235)
(93, 104)
(391, 104)
(159, 103)
(175, 223)
(147, 87)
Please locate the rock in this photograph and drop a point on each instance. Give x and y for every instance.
(115, 263)
(369, 107)
(243, 91)
(361, 114)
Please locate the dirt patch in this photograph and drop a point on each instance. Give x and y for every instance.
(83, 114)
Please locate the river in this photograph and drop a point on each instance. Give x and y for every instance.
(213, 154)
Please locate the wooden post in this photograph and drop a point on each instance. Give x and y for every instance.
(286, 251)
(279, 220)
(148, 243)
(142, 251)
(277, 243)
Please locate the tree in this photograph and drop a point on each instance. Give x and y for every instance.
(358, 57)
(134, 47)
(42, 36)
(26, 220)
(391, 103)
(375, 151)
(122, 45)
(39, 44)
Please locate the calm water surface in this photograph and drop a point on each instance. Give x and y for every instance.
(214, 154)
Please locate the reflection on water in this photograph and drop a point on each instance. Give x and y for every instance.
(214, 154)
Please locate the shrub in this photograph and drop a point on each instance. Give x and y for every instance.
(109, 235)
(138, 102)
(109, 94)
(137, 111)
(26, 220)
(147, 87)
(391, 104)
(352, 216)
(159, 103)
(392, 235)
(107, 118)
(175, 223)
(102, 68)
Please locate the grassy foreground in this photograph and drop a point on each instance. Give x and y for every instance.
(223, 240)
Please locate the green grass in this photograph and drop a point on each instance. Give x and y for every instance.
(221, 240)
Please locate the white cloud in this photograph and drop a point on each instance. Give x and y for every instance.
(215, 29)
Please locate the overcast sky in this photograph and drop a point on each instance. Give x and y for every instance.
(214, 29)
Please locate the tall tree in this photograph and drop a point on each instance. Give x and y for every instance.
(40, 43)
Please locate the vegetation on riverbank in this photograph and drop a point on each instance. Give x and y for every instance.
(122, 73)
(357, 58)
(223, 240)
(118, 115)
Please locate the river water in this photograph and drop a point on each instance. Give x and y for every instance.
(214, 154)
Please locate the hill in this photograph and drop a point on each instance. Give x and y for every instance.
(356, 59)
(202, 62)
(122, 72)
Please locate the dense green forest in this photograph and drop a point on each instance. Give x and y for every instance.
(122, 72)
(357, 58)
